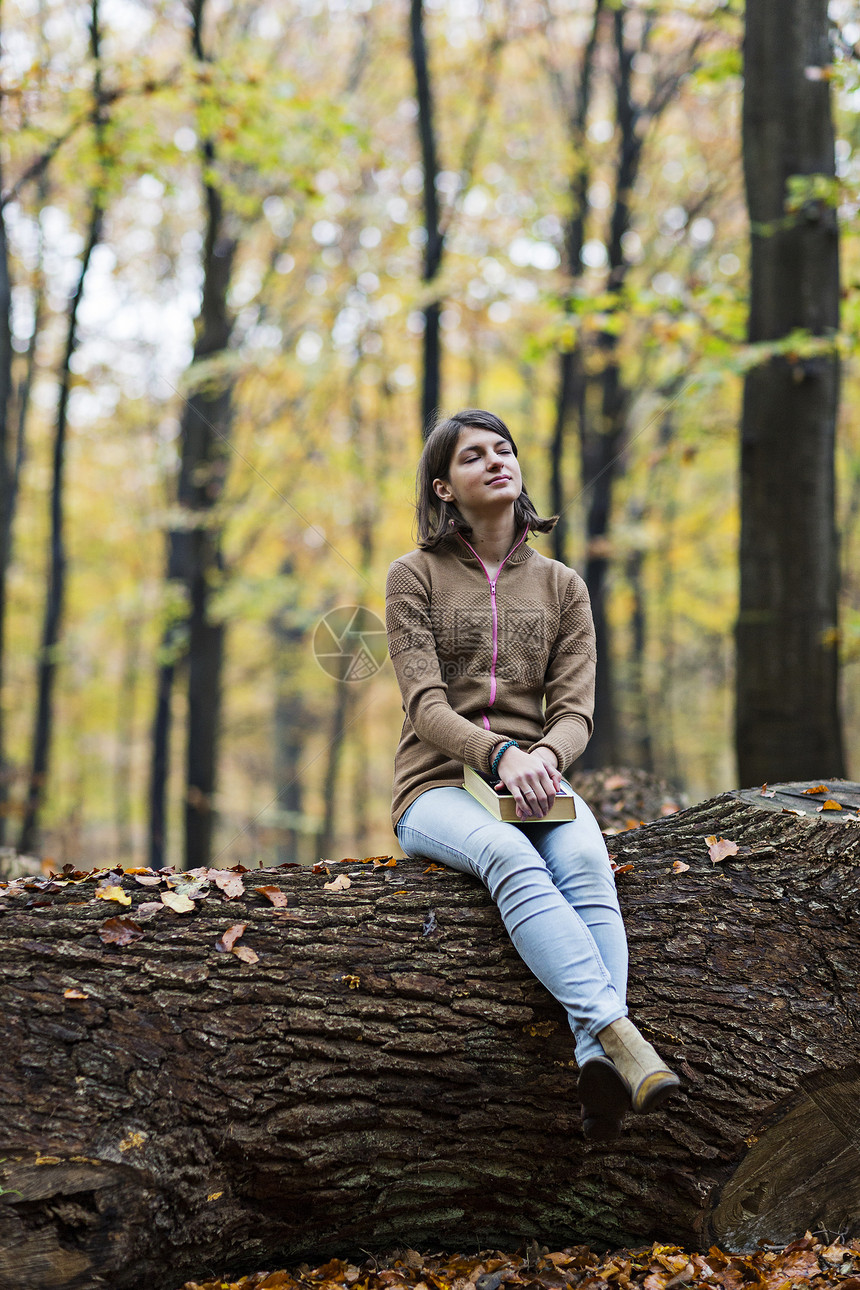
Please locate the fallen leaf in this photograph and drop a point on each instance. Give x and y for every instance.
(384, 862)
(819, 788)
(228, 939)
(679, 867)
(720, 848)
(214, 1195)
(246, 954)
(120, 931)
(434, 868)
(767, 792)
(133, 1142)
(616, 781)
(148, 908)
(75, 994)
(178, 903)
(622, 868)
(230, 884)
(792, 810)
(113, 893)
(274, 894)
(830, 805)
(340, 883)
(320, 867)
(148, 880)
(192, 886)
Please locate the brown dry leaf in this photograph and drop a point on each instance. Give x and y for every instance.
(434, 868)
(113, 893)
(679, 867)
(819, 788)
(830, 805)
(120, 931)
(178, 903)
(274, 894)
(75, 994)
(384, 862)
(792, 810)
(720, 848)
(230, 884)
(228, 939)
(246, 954)
(622, 868)
(340, 883)
(767, 792)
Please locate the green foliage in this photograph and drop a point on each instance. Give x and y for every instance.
(305, 127)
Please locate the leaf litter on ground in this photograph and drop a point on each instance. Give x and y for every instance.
(811, 1262)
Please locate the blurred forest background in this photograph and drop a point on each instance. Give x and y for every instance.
(227, 282)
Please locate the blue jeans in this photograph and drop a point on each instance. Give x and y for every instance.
(554, 886)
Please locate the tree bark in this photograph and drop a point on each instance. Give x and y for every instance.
(787, 710)
(389, 1072)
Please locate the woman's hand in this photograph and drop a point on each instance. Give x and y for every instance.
(532, 779)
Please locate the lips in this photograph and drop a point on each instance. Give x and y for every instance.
(499, 479)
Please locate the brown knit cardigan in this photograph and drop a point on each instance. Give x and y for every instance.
(473, 673)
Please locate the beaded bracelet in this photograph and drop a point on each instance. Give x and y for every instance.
(499, 754)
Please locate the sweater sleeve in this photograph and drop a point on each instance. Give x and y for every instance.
(569, 680)
(412, 649)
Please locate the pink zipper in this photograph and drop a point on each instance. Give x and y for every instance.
(495, 614)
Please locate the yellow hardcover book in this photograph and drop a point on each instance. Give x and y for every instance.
(503, 806)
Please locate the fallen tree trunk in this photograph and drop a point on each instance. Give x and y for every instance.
(387, 1072)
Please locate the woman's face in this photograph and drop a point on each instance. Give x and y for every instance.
(483, 474)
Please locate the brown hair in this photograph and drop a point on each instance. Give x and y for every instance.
(438, 520)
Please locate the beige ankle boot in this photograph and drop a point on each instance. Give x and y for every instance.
(651, 1082)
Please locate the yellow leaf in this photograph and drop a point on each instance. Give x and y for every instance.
(179, 904)
(830, 805)
(113, 893)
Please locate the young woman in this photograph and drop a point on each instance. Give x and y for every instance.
(493, 648)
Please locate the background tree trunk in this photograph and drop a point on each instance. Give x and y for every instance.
(787, 712)
(194, 561)
(7, 499)
(431, 379)
(389, 1072)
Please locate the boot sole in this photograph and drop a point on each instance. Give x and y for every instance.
(654, 1091)
(603, 1090)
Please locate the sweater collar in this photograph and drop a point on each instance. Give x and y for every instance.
(522, 553)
